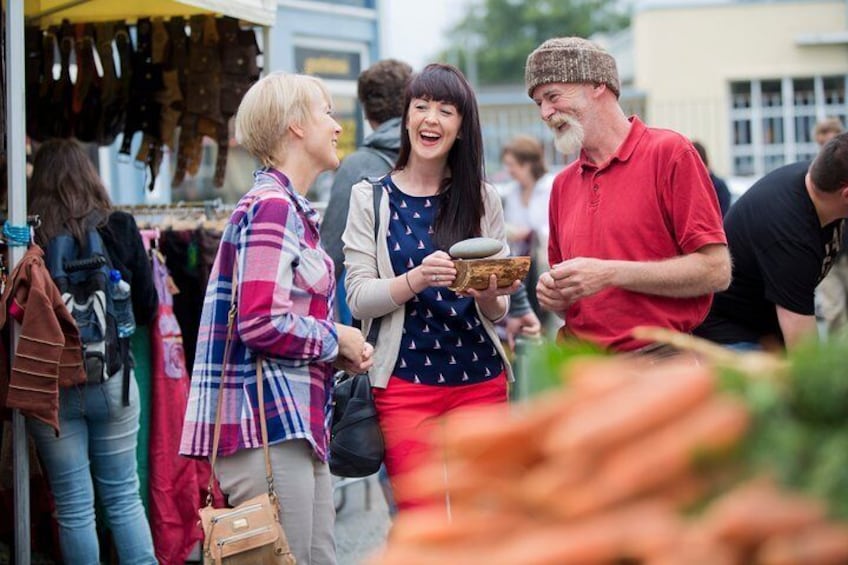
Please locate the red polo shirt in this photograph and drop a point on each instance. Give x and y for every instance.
(653, 200)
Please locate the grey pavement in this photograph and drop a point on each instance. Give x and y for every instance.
(362, 519)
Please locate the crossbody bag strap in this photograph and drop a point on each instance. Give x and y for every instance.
(269, 473)
(216, 435)
(377, 190)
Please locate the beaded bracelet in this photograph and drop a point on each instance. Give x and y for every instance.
(409, 284)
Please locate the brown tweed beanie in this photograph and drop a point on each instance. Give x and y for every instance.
(570, 59)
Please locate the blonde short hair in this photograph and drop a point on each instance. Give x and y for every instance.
(270, 107)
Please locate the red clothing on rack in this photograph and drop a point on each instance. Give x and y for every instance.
(174, 487)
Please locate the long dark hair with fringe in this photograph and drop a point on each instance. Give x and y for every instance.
(66, 191)
(462, 204)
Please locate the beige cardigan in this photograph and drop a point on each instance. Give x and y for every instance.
(369, 273)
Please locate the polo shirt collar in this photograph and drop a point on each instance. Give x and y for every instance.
(624, 151)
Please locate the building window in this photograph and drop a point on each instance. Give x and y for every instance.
(772, 120)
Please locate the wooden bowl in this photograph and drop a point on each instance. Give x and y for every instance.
(475, 273)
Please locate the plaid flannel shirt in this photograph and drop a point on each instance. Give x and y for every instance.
(284, 313)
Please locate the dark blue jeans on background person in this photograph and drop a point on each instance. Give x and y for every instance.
(96, 449)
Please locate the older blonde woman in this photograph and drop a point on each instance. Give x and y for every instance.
(284, 294)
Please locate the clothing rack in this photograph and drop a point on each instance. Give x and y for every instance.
(209, 214)
(211, 208)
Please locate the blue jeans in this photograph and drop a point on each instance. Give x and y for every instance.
(96, 448)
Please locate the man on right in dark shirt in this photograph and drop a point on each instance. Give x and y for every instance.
(783, 234)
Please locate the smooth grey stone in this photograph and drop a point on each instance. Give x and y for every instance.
(475, 248)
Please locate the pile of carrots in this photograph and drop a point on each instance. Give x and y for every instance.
(629, 462)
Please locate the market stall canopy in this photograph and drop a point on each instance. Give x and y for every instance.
(261, 12)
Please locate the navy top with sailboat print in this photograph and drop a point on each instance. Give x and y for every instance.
(444, 341)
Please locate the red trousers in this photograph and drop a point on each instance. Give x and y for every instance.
(409, 414)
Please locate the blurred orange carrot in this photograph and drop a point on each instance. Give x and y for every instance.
(498, 435)
(602, 539)
(694, 547)
(751, 513)
(535, 489)
(824, 544)
(658, 458)
(658, 396)
(466, 526)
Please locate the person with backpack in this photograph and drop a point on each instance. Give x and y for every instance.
(95, 248)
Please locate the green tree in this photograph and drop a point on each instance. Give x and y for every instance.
(499, 34)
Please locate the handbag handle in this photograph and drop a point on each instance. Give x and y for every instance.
(216, 436)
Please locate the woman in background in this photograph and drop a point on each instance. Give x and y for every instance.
(98, 433)
(526, 206)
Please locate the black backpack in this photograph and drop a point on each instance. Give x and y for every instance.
(82, 277)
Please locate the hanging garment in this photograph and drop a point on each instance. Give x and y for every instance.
(86, 93)
(115, 85)
(33, 76)
(202, 116)
(239, 70)
(173, 77)
(189, 256)
(144, 111)
(58, 93)
(174, 488)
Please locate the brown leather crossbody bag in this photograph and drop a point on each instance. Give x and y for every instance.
(250, 533)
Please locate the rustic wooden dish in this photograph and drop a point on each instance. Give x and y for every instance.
(475, 273)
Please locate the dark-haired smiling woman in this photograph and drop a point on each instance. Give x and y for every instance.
(437, 350)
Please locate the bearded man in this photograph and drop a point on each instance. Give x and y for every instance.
(636, 235)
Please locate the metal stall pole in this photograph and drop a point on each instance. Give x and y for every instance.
(16, 188)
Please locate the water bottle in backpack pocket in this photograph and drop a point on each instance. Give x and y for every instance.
(82, 276)
(122, 302)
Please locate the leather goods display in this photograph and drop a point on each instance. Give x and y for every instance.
(250, 533)
(61, 124)
(357, 447)
(86, 97)
(168, 81)
(202, 96)
(143, 115)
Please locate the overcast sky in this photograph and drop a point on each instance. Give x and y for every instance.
(414, 31)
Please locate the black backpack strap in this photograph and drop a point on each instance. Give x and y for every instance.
(124, 345)
(377, 190)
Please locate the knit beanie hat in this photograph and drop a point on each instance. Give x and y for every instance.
(572, 60)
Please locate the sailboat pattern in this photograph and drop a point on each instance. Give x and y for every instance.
(444, 341)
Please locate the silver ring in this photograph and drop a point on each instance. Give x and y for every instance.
(435, 278)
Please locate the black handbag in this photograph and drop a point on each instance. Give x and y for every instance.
(356, 441)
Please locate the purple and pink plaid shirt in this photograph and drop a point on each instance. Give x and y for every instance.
(285, 313)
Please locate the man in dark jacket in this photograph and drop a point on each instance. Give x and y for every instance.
(380, 91)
